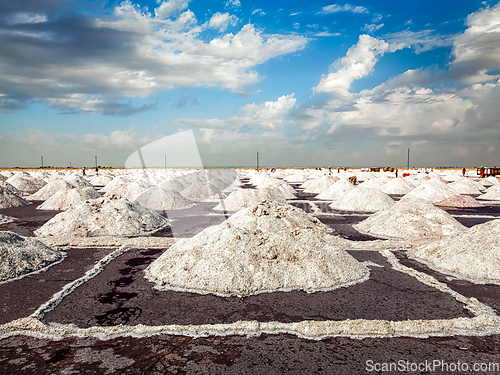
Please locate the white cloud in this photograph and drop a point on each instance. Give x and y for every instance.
(232, 4)
(477, 50)
(222, 20)
(358, 63)
(335, 8)
(27, 17)
(371, 28)
(258, 11)
(144, 54)
(422, 41)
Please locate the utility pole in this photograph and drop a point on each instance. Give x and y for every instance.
(408, 165)
(165, 161)
(96, 161)
(257, 160)
(42, 161)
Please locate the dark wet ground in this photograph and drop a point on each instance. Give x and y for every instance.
(20, 298)
(265, 354)
(121, 295)
(489, 294)
(28, 218)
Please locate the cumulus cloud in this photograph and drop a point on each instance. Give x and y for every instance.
(421, 41)
(128, 54)
(477, 51)
(335, 8)
(222, 20)
(358, 63)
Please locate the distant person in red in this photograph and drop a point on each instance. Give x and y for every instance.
(463, 172)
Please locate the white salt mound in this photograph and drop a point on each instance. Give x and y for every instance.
(100, 180)
(465, 186)
(22, 255)
(397, 186)
(319, 185)
(130, 190)
(363, 199)
(492, 193)
(273, 217)
(337, 191)
(62, 200)
(411, 219)
(9, 199)
(375, 183)
(430, 192)
(26, 183)
(227, 260)
(243, 198)
(473, 253)
(9, 187)
(201, 191)
(50, 189)
(78, 181)
(158, 199)
(103, 217)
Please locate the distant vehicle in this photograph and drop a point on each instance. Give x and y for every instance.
(489, 171)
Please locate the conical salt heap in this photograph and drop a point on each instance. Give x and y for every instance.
(492, 193)
(337, 191)
(50, 189)
(411, 219)
(431, 191)
(243, 198)
(363, 199)
(397, 186)
(473, 253)
(22, 255)
(466, 186)
(78, 181)
(158, 199)
(103, 217)
(9, 199)
(63, 200)
(26, 183)
(319, 185)
(263, 248)
(459, 201)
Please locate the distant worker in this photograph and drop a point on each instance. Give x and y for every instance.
(481, 174)
(463, 172)
(396, 173)
(84, 171)
(330, 171)
(96, 171)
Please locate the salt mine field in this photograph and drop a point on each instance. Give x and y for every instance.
(237, 271)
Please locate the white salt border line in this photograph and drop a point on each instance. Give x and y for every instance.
(43, 269)
(471, 304)
(482, 325)
(69, 288)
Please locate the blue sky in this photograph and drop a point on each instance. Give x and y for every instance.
(303, 83)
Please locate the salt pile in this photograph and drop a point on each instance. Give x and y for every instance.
(319, 185)
(431, 193)
(63, 200)
(460, 201)
(21, 255)
(50, 189)
(78, 181)
(465, 186)
(9, 199)
(9, 187)
(103, 217)
(295, 178)
(116, 182)
(173, 184)
(492, 193)
(375, 183)
(100, 180)
(201, 191)
(130, 190)
(265, 256)
(243, 198)
(158, 199)
(411, 219)
(337, 191)
(284, 189)
(5, 219)
(398, 186)
(473, 253)
(363, 199)
(26, 183)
